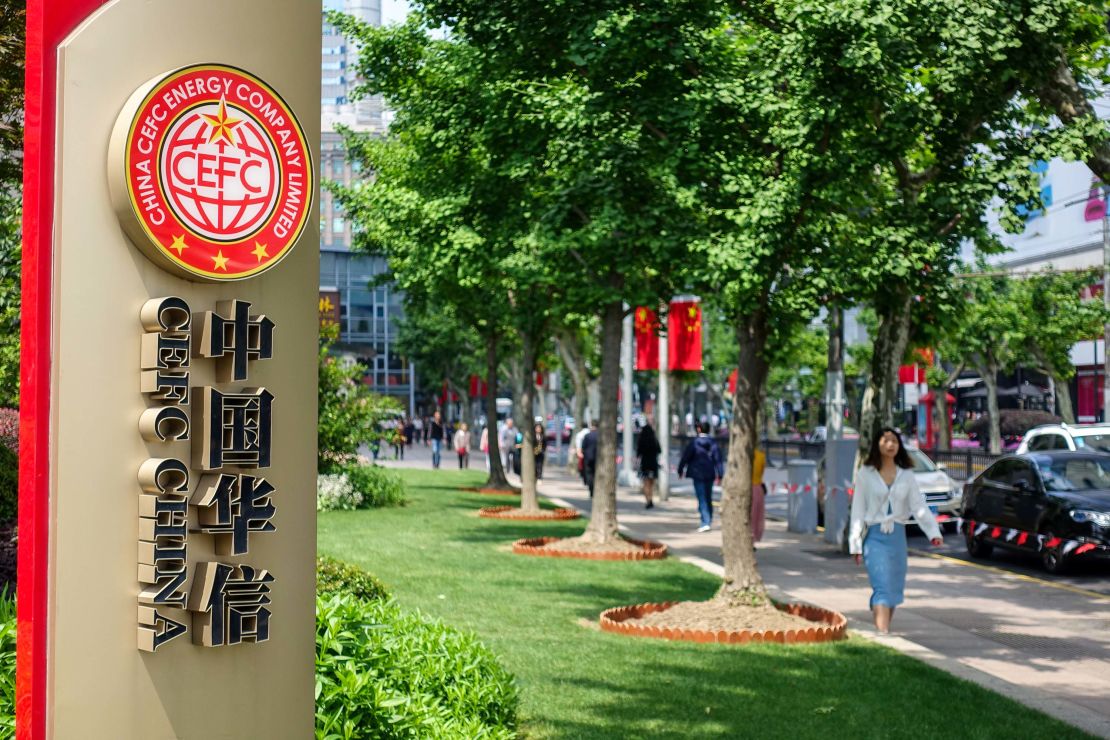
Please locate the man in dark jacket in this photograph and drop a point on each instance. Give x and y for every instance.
(701, 463)
(589, 457)
(438, 434)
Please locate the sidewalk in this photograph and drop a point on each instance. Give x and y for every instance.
(1045, 645)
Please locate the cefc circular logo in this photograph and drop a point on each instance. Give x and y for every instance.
(217, 178)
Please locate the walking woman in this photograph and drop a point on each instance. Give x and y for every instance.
(885, 497)
(647, 450)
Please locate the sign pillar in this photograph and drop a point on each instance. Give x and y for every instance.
(167, 470)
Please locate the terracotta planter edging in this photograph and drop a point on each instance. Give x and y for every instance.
(514, 513)
(832, 626)
(537, 546)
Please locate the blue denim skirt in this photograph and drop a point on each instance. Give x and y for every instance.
(885, 558)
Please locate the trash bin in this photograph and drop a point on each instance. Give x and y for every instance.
(801, 497)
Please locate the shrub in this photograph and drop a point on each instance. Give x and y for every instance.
(9, 484)
(1012, 422)
(378, 486)
(383, 673)
(9, 428)
(335, 576)
(7, 664)
(334, 492)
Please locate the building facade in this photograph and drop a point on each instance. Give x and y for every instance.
(1065, 234)
(367, 313)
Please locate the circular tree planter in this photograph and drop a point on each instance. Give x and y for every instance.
(541, 546)
(514, 513)
(491, 491)
(828, 626)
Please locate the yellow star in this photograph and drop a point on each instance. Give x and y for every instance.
(260, 251)
(221, 261)
(222, 126)
(179, 244)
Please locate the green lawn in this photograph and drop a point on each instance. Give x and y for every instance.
(577, 682)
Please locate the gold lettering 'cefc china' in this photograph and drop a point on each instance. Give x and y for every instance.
(210, 173)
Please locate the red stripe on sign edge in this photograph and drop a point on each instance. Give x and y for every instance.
(48, 23)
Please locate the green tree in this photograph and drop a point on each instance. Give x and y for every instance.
(349, 414)
(444, 347)
(1054, 315)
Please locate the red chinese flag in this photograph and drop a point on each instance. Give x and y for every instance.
(732, 378)
(477, 387)
(645, 323)
(684, 336)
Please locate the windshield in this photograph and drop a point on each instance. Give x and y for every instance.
(921, 463)
(1083, 474)
(1093, 442)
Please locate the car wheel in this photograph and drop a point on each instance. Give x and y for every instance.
(1052, 558)
(977, 548)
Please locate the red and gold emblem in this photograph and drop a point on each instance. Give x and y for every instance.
(217, 176)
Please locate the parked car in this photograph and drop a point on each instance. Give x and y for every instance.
(1088, 437)
(1062, 495)
(944, 495)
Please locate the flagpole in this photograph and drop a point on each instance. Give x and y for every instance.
(663, 415)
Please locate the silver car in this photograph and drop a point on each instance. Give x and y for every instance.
(942, 494)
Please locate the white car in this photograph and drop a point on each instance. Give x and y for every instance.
(1082, 437)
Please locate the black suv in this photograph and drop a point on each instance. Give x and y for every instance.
(1041, 502)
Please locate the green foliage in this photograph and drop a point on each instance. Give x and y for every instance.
(349, 414)
(379, 486)
(9, 484)
(7, 664)
(443, 345)
(1055, 315)
(384, 673)
(336, 577)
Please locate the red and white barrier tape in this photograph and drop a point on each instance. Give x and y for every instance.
(1020, 537)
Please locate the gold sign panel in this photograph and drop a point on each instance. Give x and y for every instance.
(183, 443)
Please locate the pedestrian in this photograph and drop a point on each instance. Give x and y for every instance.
(759, 495)
(701, 462)
(578, 438)
(461, 441)
(506, 439)
(417, 429)
(427, 430)
(541, 448)
(437, 434)
(410, 432)
(589, 457)
(885, 497)
(483, 445)
(647, 452)
(399, 441)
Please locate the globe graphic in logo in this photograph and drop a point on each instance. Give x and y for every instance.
(219, 171)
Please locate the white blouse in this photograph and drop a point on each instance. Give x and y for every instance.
(869, 505)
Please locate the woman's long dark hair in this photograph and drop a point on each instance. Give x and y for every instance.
(875, 458)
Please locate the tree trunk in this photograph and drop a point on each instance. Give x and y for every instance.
(742, 583)
(886, 357)
(990, 377)
(528, 499)
(603, 512)
(497, 477)
(834, 375)
(1063, 399)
